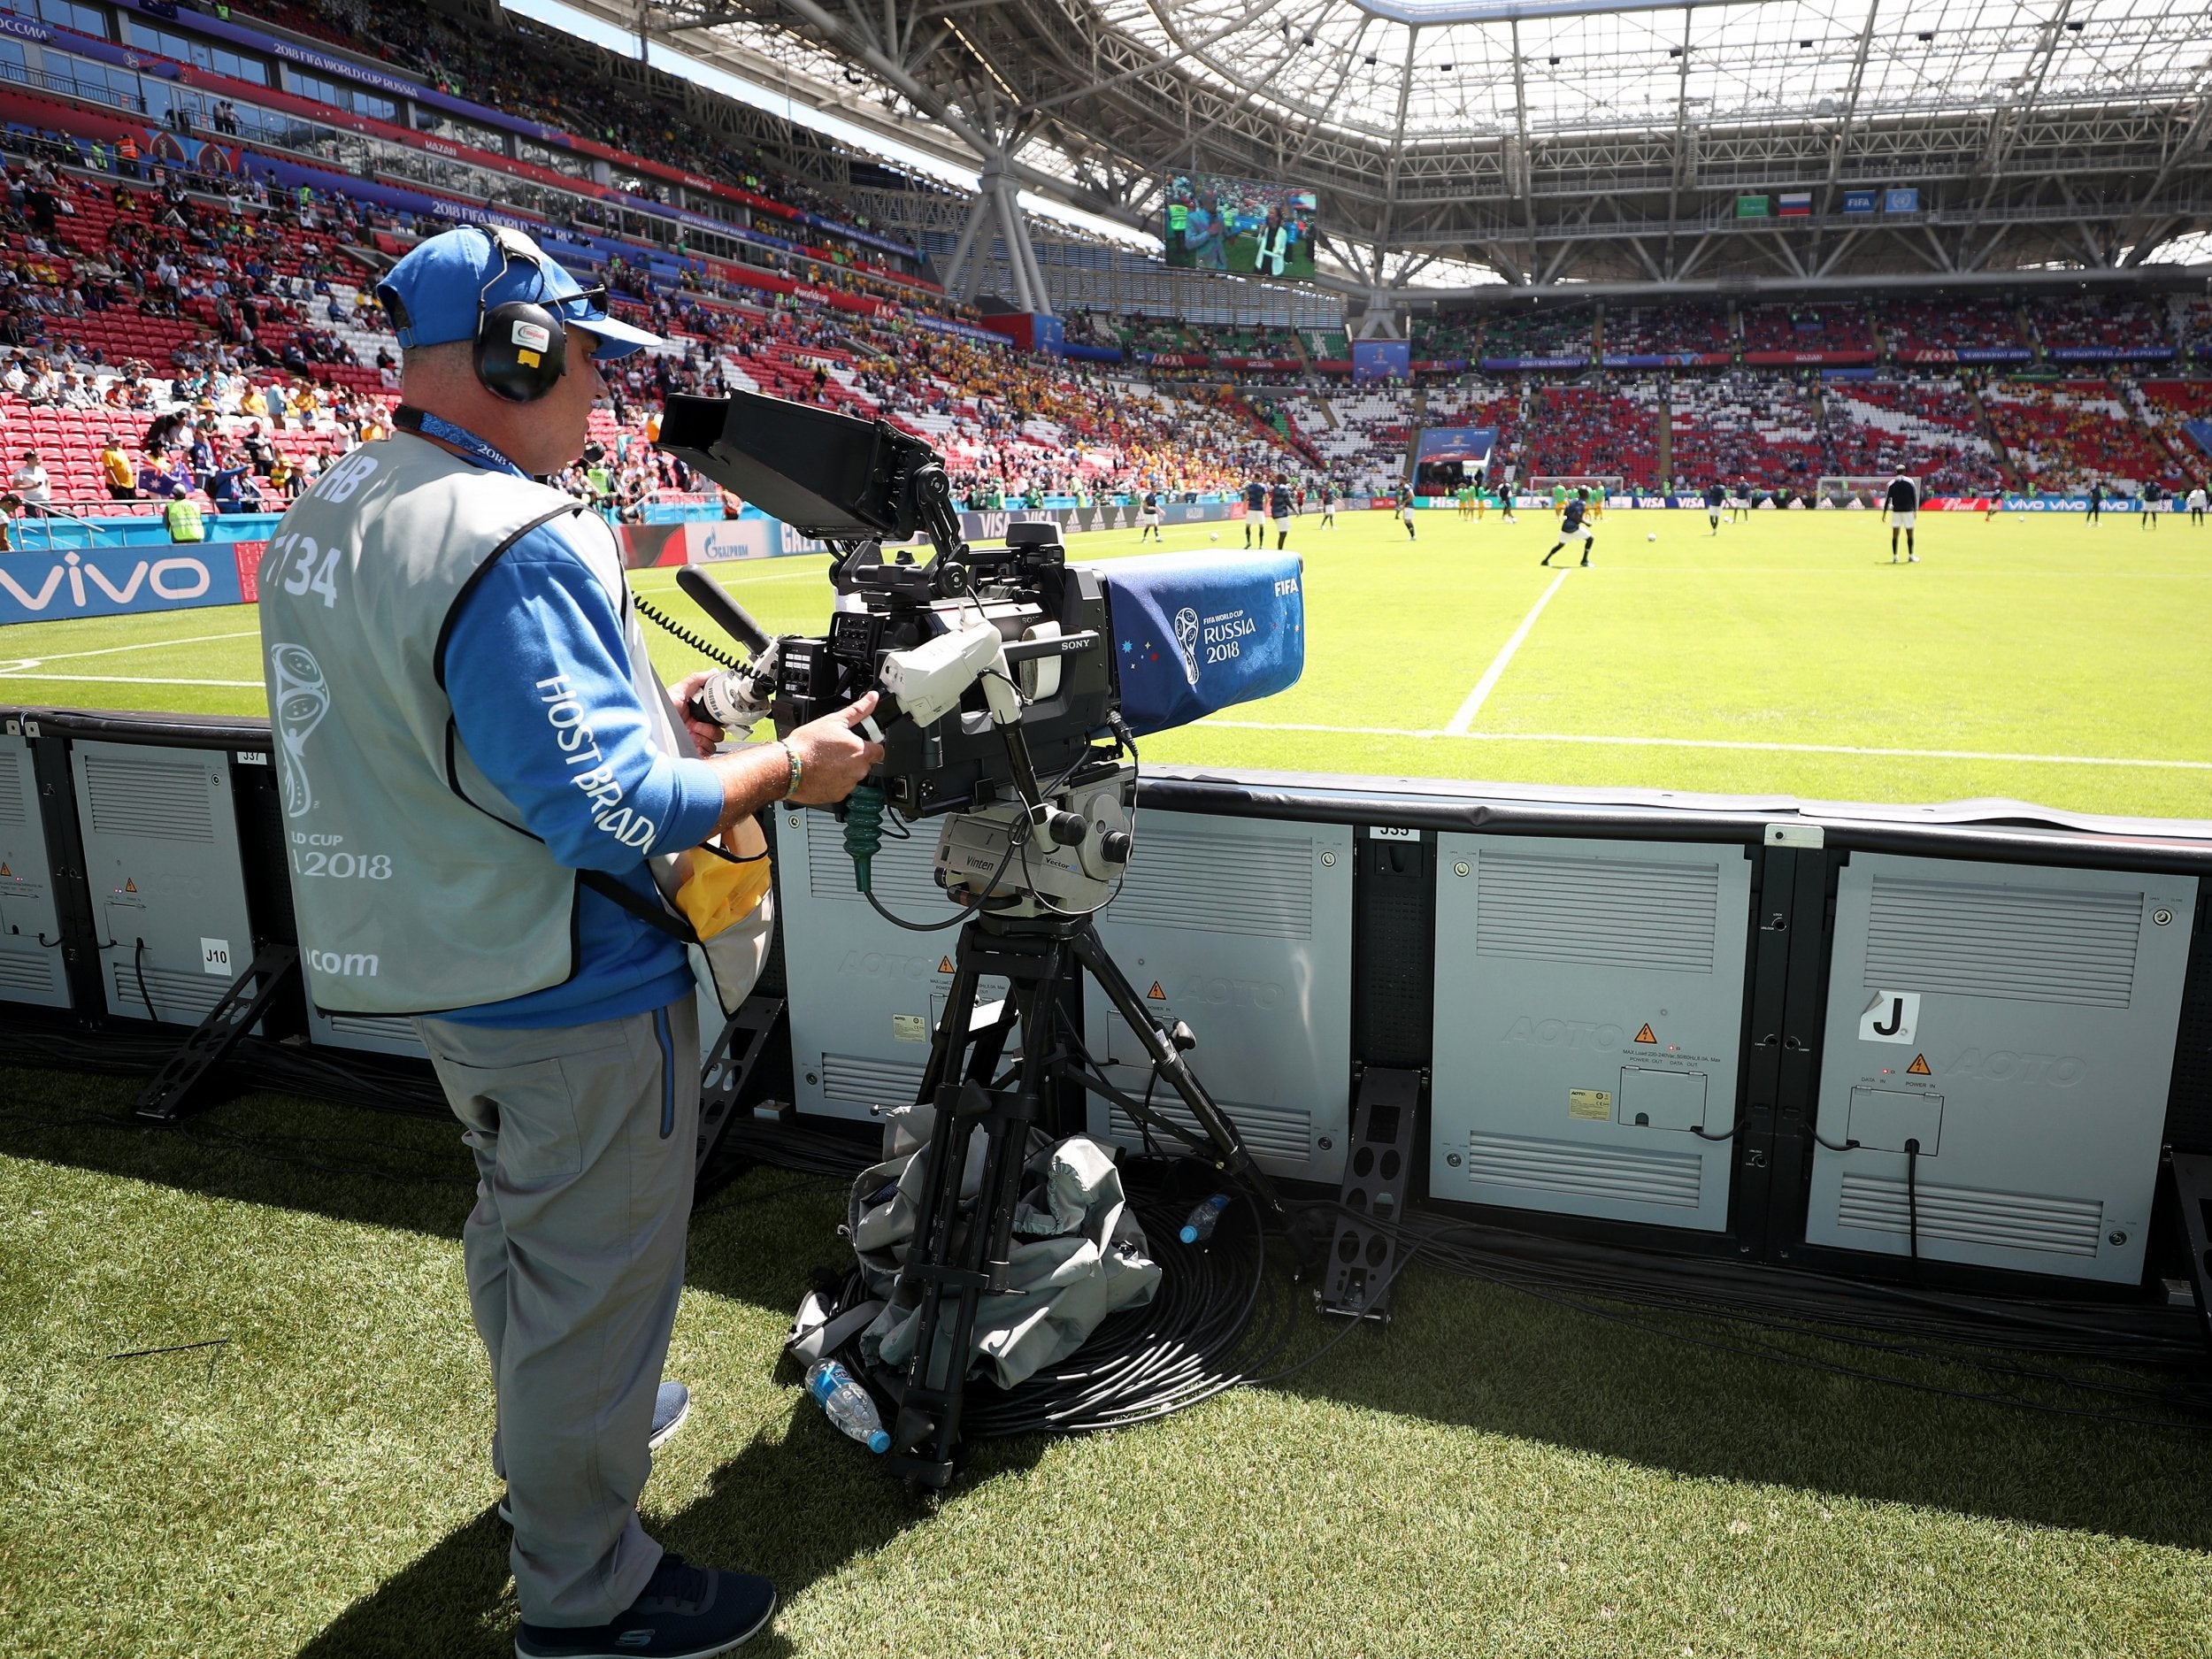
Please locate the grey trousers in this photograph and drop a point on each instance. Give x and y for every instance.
(584, 1139)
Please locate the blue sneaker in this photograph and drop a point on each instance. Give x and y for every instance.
(670, 1406)
(685, 1612)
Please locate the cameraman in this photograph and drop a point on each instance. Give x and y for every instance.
(481, 777)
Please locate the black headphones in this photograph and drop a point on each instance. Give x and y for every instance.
(521, 346)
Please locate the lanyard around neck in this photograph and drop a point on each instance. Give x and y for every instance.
(424, 424)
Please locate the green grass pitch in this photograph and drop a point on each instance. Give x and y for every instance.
(1491, 1476)
(2030, 658)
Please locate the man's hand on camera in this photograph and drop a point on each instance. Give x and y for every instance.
(705, 735)
(832, 756)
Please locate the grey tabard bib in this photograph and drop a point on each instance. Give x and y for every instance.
(415, 886)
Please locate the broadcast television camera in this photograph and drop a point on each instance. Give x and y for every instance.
(1013, 685)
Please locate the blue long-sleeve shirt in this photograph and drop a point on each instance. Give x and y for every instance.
(540, 684)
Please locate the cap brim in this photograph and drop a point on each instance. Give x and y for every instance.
(616, 338)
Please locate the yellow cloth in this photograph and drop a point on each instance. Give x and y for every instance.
(714, 893)
(717, 894)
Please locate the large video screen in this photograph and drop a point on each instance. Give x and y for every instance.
(1216, 224)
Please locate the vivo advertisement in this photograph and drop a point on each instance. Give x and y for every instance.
(122, 581)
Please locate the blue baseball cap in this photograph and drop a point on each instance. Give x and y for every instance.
(432, 294)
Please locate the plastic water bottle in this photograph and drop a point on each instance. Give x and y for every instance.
(848, 1404)
(1199, 1226)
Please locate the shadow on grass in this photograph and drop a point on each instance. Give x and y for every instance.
(789, 1507)
(1477, 1356)
(1460, 1354)
(371, 1169)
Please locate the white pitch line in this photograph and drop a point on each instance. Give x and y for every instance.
(1465, 718)
(9, 664)
(1708, 742)
(128, 680)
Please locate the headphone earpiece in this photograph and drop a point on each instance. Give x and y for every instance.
(521, 351)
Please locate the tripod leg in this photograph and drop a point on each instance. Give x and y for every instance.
(927, 1430)
(944, 1160)
(1090, 950)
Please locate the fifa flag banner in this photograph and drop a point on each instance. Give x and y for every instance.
(1751, 207)
(1797, 204)
(1858, 201)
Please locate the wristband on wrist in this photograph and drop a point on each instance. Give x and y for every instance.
(798, 769)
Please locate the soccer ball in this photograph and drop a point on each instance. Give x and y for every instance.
(1651, 535)
(1213, 535)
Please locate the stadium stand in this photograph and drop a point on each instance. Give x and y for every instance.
(2066, 436)
(1805, 329)
(1745, 426)
(1944, 326)
(2180, 415)
(1472, 400)
(2195, 327)
(1922, 425)
(1362, 435)
(1578, 431)
(1540, 333)
(1446, 339)
(1688, 326)
(2097, 320)
(240, 310)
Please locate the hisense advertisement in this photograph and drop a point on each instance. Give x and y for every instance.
(1216, 224)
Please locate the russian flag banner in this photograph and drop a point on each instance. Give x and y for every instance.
(1797, 204)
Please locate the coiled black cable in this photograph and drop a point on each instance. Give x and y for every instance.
(705, 647)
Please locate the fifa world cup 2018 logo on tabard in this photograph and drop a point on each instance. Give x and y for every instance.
(301, 700)
(1186, 642)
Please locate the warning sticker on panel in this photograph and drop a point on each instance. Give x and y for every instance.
(1919, 1067)
(1647, 1034)
(1593, 1103)
(1157, 994)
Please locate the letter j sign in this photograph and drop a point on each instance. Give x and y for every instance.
(1891, 1016)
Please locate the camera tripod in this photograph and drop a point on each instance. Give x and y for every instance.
(956, 1259)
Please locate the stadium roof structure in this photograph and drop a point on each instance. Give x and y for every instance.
(1563, 142)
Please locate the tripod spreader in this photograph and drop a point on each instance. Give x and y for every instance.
(961, 1253)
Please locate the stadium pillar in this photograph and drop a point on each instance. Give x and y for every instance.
(1010, 233)
(960, 274)
(1021, 258)
(1037, 289)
